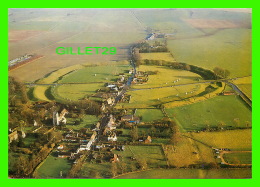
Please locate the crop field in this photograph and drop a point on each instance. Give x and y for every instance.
(190, 174)
(211, 112)
(149, 114)
(69, 28)
(56, 75)
(245, 84)
(233, 139)
(39, 92)
(215, 50)
(210, 23)
(157, 56)
(238, 158)
(52, 167)
(14, 36)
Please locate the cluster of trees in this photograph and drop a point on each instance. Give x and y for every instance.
(23, 165)
(223, 73)
(157, 49)
(16, 92)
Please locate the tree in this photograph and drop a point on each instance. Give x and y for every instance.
(21, 165)
(122, 166)
(224, 73)
(114, 169)
(221, 125)
(248, 124)
(176, 134)
(134, 133)
(142, 163)
(94, 174)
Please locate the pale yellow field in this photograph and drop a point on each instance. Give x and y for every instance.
(39, 93)
(233, 139)
(245, 84)
(166, 77)
(158, 56)
(183, 154)
(56, 74)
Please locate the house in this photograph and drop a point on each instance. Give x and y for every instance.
(60, 147)
(110, 101)
(114, 158)
(64, 154)
(13, 136)
(120, 148)
(148, 139)
(111, 123)
(130, 119)
(112, 137)
(228, 93)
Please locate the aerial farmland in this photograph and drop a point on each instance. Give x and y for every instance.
(139, 93)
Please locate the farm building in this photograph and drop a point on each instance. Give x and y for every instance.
(228, 93)
(130, 119)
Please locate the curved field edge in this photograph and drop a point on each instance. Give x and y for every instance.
(39, 92)
(56, 75)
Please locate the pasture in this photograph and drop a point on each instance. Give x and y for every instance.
(190, 174)
(166, 86)
(96, 74)
(52, 167)
(240, 140)
(228, 110)
(245, 84)
(188, 152)
(166, 77)
(157, 56)
(238, 158)
(87, 122)
(148, 115)
(229, 49)
(75, 91)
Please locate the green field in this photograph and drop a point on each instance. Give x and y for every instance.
(76, 92)
(223, 49)
(95, 74)
(88, 121)
(190, 174)
(166, 77)
(151, 154)
(233, 139)
(149, 114)
(52, 166)
(157, 56)
(245, 84)
(166, 90)
(211, 112)
(238, 158)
